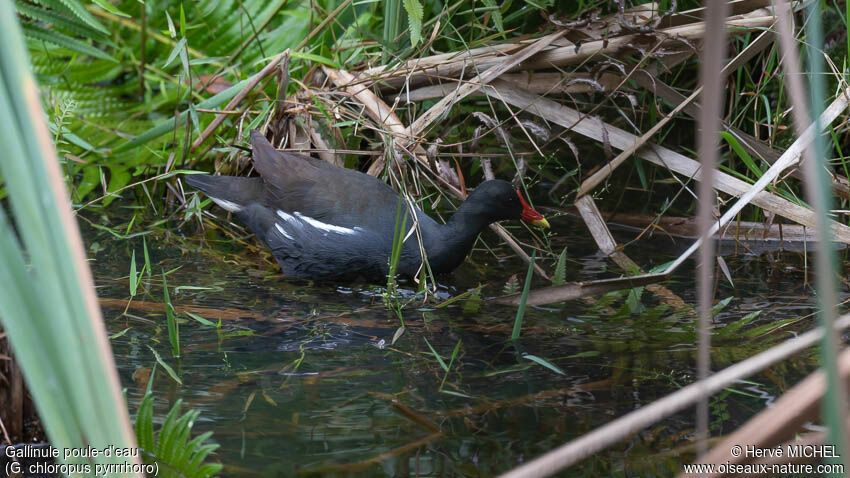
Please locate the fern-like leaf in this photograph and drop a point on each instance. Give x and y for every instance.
(144, 423)
(496, 13)
(177, 455)
(76, 9)
(59, 39)
(60, 21)
(511, 285)
(415, 13)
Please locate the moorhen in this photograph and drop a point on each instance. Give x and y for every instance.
(322, 221)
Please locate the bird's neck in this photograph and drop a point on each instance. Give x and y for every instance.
(455, 239)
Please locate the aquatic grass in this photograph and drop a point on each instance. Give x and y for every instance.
(391, 297)
(398, 242)
(520, 313)
(544, 362)
(170, 371)
(202, 320)
(436, 355)
(171, 320)
(559, 277)
(448, 368)
(133, 277)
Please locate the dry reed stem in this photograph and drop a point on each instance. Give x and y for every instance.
(678, 163)
(602, 235)
(736, 7)
(438, 67)
(465, 89)
(780, 422)
(595, 179)
(540, 83)
(601, 438)
(712, 95)
(216, 122)
(754, 194)
(739, 231)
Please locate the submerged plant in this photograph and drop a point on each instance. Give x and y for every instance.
(170, 447)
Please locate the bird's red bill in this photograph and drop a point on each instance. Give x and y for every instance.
(529, 215)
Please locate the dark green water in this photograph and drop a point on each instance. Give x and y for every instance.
(302, 376)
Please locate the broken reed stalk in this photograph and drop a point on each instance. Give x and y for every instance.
(603, 238)
(618, 138)
(441, 67)
(465, 89)
(601, 438)
(596, 178)
(680, 164)
(780, 422)
(215, 123)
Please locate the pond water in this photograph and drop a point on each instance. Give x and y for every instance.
(304, 378)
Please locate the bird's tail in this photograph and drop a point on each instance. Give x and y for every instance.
(230, 192)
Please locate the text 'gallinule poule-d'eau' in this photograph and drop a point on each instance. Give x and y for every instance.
(326, 222)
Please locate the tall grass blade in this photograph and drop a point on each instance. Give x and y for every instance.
(818, 191)
(55, 328)
(560, 275)
(520, 313)
(171, 320)
(134, 283)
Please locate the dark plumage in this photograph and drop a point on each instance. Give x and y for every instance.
(325, 222)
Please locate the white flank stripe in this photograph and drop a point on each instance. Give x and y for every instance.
(326, 227)
(280, 229)
(290, 219)
(227, 205)
(298, 220)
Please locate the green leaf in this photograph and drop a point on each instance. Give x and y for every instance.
(730, 329)
(439, 359)
(133, 278)
(111, 8)
(742, 153)
(456, 394)
(520, 313)
(64, 41)
(174, 52)
(77, 9)
(167, 367)
(415, 14)
(496, 13)
(169, 125)
(144, 423)
(173, 328)
(718, 307)
(589, 353)
(560, 275)
(201, 319)
(60, 21)
(119, 334)
(315, 58)
(91, 179)
(544, 363)
(118, 178)
(147, 257)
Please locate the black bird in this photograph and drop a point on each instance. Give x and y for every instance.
(325, 222)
